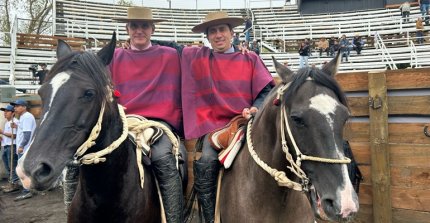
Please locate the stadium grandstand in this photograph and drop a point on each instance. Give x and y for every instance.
(279, 26)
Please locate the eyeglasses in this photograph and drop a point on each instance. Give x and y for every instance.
(136, 25)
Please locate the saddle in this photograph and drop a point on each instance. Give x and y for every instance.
(229, 140)
(144, 139)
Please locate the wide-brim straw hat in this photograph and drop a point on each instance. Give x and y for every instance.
(139, 14)
(217, 18)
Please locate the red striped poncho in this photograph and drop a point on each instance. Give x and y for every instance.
(217, 87)
(150, 83)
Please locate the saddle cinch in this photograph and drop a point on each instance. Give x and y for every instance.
(229, 139)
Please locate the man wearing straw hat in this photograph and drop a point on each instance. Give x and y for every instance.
(149, 79)
(217, 85)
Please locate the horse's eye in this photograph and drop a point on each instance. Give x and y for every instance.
(298, 121)
(89, 94)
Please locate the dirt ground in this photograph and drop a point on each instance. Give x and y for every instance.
(46, 207)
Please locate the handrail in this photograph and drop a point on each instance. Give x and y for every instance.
(379, 44)
(414, 54)
(87, 35)
(13, 43)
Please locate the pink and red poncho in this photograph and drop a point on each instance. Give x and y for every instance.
(216, 87)
(150, 83)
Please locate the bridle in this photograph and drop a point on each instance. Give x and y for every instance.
(295, 165)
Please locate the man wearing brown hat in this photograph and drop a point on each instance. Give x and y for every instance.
(217, 85)
(148, 77)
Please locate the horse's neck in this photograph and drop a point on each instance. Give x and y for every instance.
(117, 163)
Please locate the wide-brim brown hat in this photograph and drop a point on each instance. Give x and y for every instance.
(139, 14)
(217, 18)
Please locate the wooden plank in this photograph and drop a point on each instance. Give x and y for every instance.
(379, 148)
(398, 132)
(401, 155)
(399, 105)
(412, 178)
(396, 79)
(356, 81)
(416, 199)
(408, 216)
(408, 79)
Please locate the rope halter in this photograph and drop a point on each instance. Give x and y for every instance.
(97, 157)
(295, 166)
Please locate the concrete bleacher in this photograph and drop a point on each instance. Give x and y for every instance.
(290, 25)
(95, 20)
(91, 24)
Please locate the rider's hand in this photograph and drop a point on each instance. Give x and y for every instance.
(248, 112)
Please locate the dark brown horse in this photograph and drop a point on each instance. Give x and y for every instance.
(77, 88)
(314, 109)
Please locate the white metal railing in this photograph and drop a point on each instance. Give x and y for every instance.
(73, 24)
(13, 33)
(379, 44)
(414, 54)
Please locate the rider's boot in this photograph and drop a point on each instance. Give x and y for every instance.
(205, 184)
(170, 187)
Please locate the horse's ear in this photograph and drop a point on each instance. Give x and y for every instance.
(283, 71)
(332, 67)
(106, 53)
(62, 49)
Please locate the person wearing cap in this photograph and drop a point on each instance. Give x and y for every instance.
(8, 142)
(25, 129)
(149, 78)
(42, 73)
(217, 85)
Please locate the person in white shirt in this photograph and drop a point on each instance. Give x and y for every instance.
(10, 158)
(26, 127)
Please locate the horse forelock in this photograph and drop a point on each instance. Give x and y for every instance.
(318, 77)
(86, 63)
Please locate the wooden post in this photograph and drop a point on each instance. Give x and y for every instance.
(381, 177)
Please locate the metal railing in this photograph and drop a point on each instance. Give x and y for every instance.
(414, 54)
(73, 24)
(379, 44)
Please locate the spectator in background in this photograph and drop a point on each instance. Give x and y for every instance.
(255, 47)
(405, 10)
(286, 64)
(420, 28)
(236, 40)
(42, 73)
(344, 47)
(26, 126)
(357, 43)
(304, 53)
(424, 7)
(247, 29)
(8, 143)
(323, 45)
(331, 45)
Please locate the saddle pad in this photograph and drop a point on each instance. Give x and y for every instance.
(226, 156)
(222, 138)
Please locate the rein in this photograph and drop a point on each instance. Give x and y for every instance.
(97, 157)
(280, 176)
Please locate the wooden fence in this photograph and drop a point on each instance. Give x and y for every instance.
(394, 156)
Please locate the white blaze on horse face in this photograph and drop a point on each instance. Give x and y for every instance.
(326, 106)
(59, 80)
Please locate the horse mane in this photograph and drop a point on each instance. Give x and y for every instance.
(319, 77)
(86, 63)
